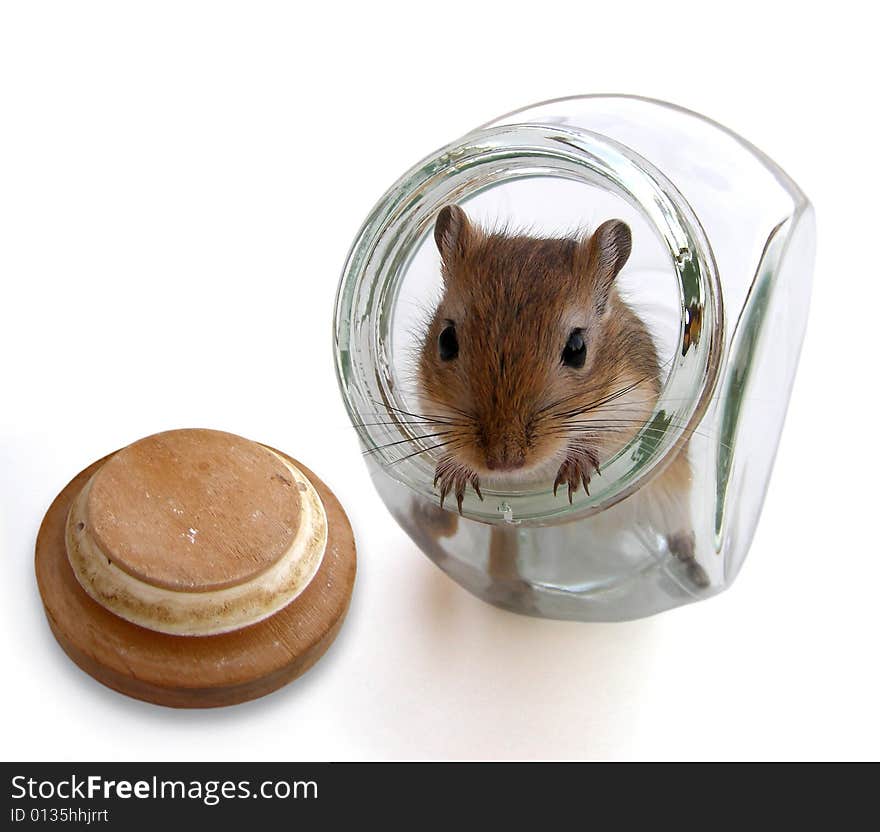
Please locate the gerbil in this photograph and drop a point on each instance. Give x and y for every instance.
(535, 368)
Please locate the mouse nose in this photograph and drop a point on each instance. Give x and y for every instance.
(504, 443)
(504, 459)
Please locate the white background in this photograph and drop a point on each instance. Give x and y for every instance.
(179, 184)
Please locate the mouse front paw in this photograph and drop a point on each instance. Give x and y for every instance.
(576, 470)
(453, 477)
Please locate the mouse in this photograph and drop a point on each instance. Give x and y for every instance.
(532, 368)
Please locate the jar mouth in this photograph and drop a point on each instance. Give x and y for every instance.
(400, 222)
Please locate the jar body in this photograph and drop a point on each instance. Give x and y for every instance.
(619, 556)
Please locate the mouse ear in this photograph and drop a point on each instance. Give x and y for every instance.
(452, 232)
(607, 252)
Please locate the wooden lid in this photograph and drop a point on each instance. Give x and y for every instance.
(196, 532)
(236, 663)
(193, 509)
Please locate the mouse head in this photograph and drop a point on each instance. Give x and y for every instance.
(517, 341)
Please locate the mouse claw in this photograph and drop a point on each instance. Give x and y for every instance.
(575, 471)
(558, 481)
(444, 490)
(453, 478)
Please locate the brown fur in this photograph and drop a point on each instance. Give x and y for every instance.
(509, 401)
(506, 407)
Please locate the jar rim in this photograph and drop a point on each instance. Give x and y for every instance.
(401, 220)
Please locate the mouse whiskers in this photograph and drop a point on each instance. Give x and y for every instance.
(446, 432)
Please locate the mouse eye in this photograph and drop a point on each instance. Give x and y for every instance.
(448, 343)
(575, 352)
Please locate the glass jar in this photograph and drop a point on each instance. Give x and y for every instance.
(721, 270)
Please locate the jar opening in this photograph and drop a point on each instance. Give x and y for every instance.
(375, 316)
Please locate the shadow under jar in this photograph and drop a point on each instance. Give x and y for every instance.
(720, 272)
